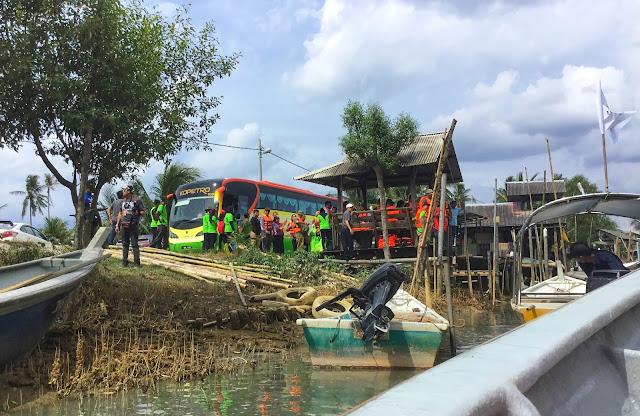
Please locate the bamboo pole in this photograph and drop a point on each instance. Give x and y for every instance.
(235, 280)
(534, 270)
(629, 248)
(555, 196)
(241, 273)
(422, 253)
(604, 155)
(495, 242)
(466, 250)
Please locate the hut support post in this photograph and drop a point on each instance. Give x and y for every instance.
(447, 282)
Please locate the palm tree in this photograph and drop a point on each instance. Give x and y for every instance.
(459, 192)
(56, 229)
(174, 175)
(34, 198)
(49, 182)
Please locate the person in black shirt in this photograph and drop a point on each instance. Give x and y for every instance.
(591, 260)
(255, 228)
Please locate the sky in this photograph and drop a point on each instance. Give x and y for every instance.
(511, 73)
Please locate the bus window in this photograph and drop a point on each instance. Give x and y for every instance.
(187, 212)
(286, 204)
(235, 194)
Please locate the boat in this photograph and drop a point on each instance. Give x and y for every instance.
(32, 294)
(553, 293)
(410, 339)
(582, 359)
(549, 295)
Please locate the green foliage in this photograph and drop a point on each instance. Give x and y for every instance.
(18, 252)
(174, 175)
(302, 266)
(35, 200)
(56, 229)
(372, 139)
(584, 227)
(109, 84)
(459, 192)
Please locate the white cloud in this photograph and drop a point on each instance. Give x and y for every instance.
(370, 44)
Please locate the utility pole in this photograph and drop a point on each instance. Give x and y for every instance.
(261, 152)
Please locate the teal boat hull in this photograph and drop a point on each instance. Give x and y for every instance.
(338, 342)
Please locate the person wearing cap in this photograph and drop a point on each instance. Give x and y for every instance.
(127, 224)
(347, 232)
(591, 260)
(266, 230)
(162, 238)
(112, 213)
(301, 230)
(154, 219)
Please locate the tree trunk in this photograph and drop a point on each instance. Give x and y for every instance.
(84, 176)
(49, 203)
(383, 213)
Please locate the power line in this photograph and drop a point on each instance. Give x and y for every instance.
(288, 161)
(255, 149)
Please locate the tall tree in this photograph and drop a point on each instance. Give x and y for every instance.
(174, 175)
(56, 230)
(49, 182)
(105, 85)
(459, 192)
(374, 140)
(34, 198)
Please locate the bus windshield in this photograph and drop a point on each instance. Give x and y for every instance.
(189, 211)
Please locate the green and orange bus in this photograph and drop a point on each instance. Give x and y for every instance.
(185, 221)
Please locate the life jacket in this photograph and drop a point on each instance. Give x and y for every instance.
(436, 220)
(325, 221)
(393, 241)
(220, 227)
(293, 227)
(423, 205)
(391, 210)
(316, 223)
(268, 221)
(153, 223)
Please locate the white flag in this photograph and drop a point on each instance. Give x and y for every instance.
(617, 123)
(607, 119)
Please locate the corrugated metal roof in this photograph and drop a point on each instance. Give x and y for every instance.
(422, 154)
(519, 191)
(508, 212)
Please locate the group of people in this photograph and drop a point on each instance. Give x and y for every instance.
(268, 231)
(217, 229)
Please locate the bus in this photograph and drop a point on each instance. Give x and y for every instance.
(185, 220)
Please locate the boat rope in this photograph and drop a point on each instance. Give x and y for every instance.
(335, 334)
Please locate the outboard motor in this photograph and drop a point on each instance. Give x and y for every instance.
(372, 313)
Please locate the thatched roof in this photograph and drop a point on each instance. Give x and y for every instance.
(422, 155)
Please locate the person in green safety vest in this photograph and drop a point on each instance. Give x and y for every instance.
(209, 229)
(230, 226)
(154, 215)
(206, 224)
(325, 228)
(161, 240)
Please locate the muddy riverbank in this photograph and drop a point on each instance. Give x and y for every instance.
(130, 328)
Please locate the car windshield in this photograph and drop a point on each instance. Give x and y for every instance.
(191, 209)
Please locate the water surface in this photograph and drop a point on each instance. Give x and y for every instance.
(279, 385)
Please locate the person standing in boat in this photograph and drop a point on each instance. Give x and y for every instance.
(127, 225)
(591, 260)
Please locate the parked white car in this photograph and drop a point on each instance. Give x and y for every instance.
(10, 231)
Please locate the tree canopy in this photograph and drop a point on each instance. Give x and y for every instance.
(107, 86)
(34, 197)
(374, 139)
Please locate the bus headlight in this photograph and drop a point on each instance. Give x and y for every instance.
(172, 234)
(199, 234)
